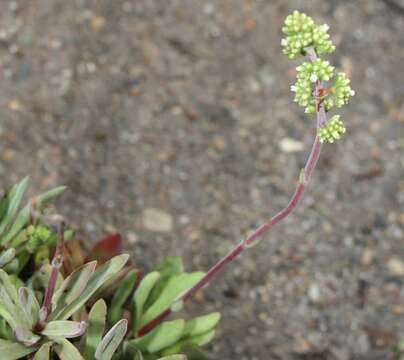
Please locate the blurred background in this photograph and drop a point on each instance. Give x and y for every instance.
(172, 122)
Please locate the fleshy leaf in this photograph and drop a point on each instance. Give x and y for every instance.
(121, 295)
(201, 324)
(170, 266)
(66, 350)
(109, 287)
(43, 352)
(29, 304)
(73, 286)
(107, 248)
(163, 336)
(98, 278)
(112, 339)
(7, 285)
(130, 351)
(15, 198)
(175, 286)
(95, 329)
(10, 304)
(198, 340)
(202, 339)
(24, 215)
(12, 351)
(64, 328)
(12, 266)
(5, 329)
(26, 336)
(6, 256)
(141, 294)
(6, 315)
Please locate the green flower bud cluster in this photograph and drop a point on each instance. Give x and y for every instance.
(341, 90)
(308, 73)
(332, 130)
(37, 235)
(319, 69)
(301, 32)
(311, 92)
(304, 94)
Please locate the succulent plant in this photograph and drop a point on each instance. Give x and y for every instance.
(21, 234)
(34, 329)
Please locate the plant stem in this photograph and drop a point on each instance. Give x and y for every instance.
(261, 230)
(57, 262)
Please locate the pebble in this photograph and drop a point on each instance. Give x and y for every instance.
(132, 237)
(98, 22)
(314, 293)
(157, 220)
(396, 266)
(15, 105)
(289, 145)
(367, 257)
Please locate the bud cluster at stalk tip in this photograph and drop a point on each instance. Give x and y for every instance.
(301, 32)
(316, 87)
(332, 130)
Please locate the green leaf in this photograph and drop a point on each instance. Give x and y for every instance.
(24, 215)
(194, 352)
(95, 329)
(131, 352)
(10, 304)
(26, 336)
(4, 202)
(121, 295)
(7, 285)
(45, 197)
(174, 357)
(12, 266)
(10, 350)
(29, 304)
(73, 286)
(6, 256)
(175, 286)
(201, 324)
(66, 350)
(109, 287)
(6, 315)
(43, 352)
(170, 266)
(5, 329)
(112, 339)
(165, 335)
(16, 195)
(64, 328)
(201, 339)
(141, 294)
(97, 279)
(198, 340)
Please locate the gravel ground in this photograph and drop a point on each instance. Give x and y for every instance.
(172, 122)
